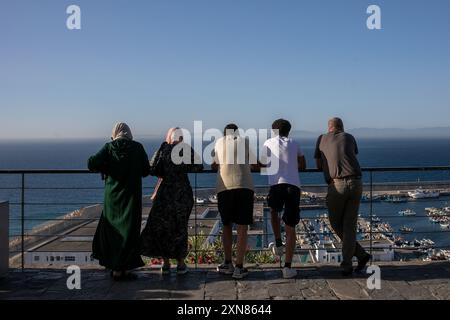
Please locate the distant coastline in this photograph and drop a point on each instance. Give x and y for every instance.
(439, 133)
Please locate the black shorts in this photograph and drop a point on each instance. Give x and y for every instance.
(285, 196)
(236, 206)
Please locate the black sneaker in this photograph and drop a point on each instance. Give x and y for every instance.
(226, 268)
(240, 273)
(363, 262)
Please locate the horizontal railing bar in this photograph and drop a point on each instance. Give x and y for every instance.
(305, 185)
(297, 250)
(250, 235)
(66, 188)
(218, 219)
(55, 219)
(85, 171)
(55, 203)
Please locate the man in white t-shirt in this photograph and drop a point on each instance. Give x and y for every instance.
(284, 194)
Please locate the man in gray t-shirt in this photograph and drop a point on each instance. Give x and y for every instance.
(337, 152)
(336, 155)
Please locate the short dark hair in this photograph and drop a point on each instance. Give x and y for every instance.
(283, 126)
(229, 127)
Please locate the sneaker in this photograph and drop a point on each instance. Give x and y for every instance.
(278, 251)
(165, 270)
(289, 273)
(240, 273)
(226, 268)
(182, 270)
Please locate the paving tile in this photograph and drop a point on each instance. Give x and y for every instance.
(347, 288)
(412, 292)
(407, 280)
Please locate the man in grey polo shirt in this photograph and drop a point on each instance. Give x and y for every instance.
(336, 155)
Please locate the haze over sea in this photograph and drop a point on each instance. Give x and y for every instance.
(50, 196)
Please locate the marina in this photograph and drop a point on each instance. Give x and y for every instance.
(394, 231)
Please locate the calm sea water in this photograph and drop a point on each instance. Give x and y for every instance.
(49, 196)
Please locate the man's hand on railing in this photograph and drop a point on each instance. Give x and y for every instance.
(256, 167)
(214, 167)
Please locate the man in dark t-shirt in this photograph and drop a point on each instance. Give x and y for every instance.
(335, 154)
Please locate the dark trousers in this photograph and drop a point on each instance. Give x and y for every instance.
(344, 198)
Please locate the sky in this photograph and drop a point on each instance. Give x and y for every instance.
(157, 64)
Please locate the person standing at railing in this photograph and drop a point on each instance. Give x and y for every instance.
(235, 195)
(123, 162)
(166, 232)
(284, 194)
(336, 154)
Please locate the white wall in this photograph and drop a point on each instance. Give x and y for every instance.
(51, 258)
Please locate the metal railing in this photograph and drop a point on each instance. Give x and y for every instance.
(21, 204)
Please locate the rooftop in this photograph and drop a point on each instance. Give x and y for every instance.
(400, 281)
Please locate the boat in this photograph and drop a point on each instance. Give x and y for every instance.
(200, 200)
(375, 219)
(407, 212)
(439, 255)
(398, 242)
(366, 198)
(423, 194)
(424, 243)
(395, 199)
(444, 225)
(406, 229)
(213, 198)
(434, 220)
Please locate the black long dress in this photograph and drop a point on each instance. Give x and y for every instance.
(166, 232)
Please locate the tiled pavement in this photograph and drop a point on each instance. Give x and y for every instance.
(400, 280)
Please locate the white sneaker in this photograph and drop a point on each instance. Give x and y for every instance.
(240, 273)
(226, 268)
(289, 273)
(278, 251)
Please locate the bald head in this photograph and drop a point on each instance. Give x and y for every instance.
(335, 125)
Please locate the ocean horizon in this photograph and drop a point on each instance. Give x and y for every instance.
(51, 196)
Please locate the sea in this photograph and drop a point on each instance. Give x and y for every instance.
(49, 196)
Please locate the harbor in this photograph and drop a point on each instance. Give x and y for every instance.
(407, 229)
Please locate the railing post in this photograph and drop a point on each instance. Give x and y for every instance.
(195, 220)
(371, 210)
(22, 219)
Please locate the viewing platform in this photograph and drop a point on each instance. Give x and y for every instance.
(52, 226)
(399, 281)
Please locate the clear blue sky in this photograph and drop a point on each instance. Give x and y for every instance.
(156, 64)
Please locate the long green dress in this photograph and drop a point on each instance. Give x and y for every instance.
(117, 238)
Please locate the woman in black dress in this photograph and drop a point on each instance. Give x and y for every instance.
(166, 232)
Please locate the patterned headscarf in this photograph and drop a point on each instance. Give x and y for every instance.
(121, 130)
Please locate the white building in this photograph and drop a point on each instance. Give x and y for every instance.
(326, 251)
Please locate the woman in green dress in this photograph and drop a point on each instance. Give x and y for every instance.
(123, 162)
